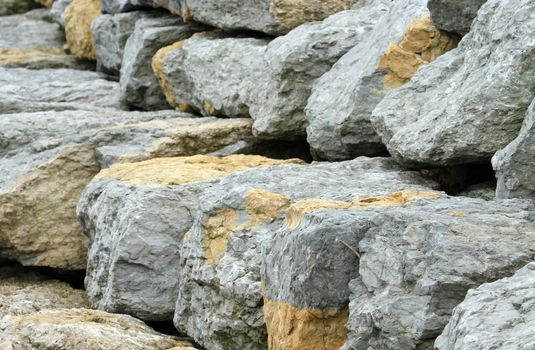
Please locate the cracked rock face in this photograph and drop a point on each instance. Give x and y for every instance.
(454, 15)
(400, 38)
(274, 17)
(495, 315)
(48, 158)
(514, 164)
(470, 102)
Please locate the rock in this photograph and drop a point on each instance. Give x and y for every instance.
(470, 102)
(116, 6)
(418, 261)
(485, 190)
(139, 85)
(497, 315)
(79, 16)
(46, 3)
(26, 90)
(275, 17)
(208, 73)
(514, 164)
(58, 11)
(47, 159)
(221, 265)
(133, 260)
(454, 15)
(110, 33)
(82, 329)
(13, 7)
(399, 39)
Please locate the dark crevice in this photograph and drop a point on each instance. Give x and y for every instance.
(456, 179)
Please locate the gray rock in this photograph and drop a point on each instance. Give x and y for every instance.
(470, 102)
(419, 260)
(110, 33)
(139, 86)
(26, 90)
(454, 15)
(116, 6)
(275, 17)
(515, 164)
(13, 7)
(58, 11)
(342, 100)
(497, 315)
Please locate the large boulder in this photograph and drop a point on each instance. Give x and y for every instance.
(13, 7)
(47, 159)
(454, 15)
(399, 40)
(79, 16)
(139, 87)
(116, 6)
(497, 315)
(515, 165)
(275, 17)
(470, 102)
(221, 290)
(135, 216)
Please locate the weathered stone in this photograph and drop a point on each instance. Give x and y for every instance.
(135, 216)
(454, 15)
(418, 261)
(110, 33)
(116, 6)
(470, 102)
(515, 164)
(399, 39)
(187, 71)
(13, 7)
(45, 3)
(79, 16)
(58, 11)
(274, 17)
(27, 90)
(47, 159)
(220, 267)
(498, 315)
(139, 85)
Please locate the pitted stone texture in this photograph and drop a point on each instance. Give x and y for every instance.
(27, 90)
(79, 16)
(470, 102)
(135, 216)
(454, 15)
(342, 100)
(419, 260)
(13, 7)
(498, 315)
(220, 285)
(515, 164)
(46, 160)
(110, 33)
(209, 73)
(116, 6)
(275, 17)
(139, 86)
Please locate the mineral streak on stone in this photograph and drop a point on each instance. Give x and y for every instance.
(470, 102)
(79, 16)
(497, 315)
(454, 15)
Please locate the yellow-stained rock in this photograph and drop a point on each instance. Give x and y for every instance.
(167, 89)
(264, 207)
(25, 54)
(422, 43)
(304, 329)
(79, 16)
(183, 170)
(291, 13)
(217, 230)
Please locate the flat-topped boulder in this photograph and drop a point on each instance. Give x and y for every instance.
(47, 158)
(400, 39)
(470, 102)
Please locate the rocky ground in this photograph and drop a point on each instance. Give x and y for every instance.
(274, 174)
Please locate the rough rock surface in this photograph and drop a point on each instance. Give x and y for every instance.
(79, 16)
(116, 6)
(220, 294)
(514, 165)
(400, 38)
(139, 87)
(58, 11)
(418, 261)
(187, 71)
(498, 315)
(13, 7)
(470, 102)
(133, 260)
(46, 160)
(28, 90)
(275, 17)
(454, 15)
